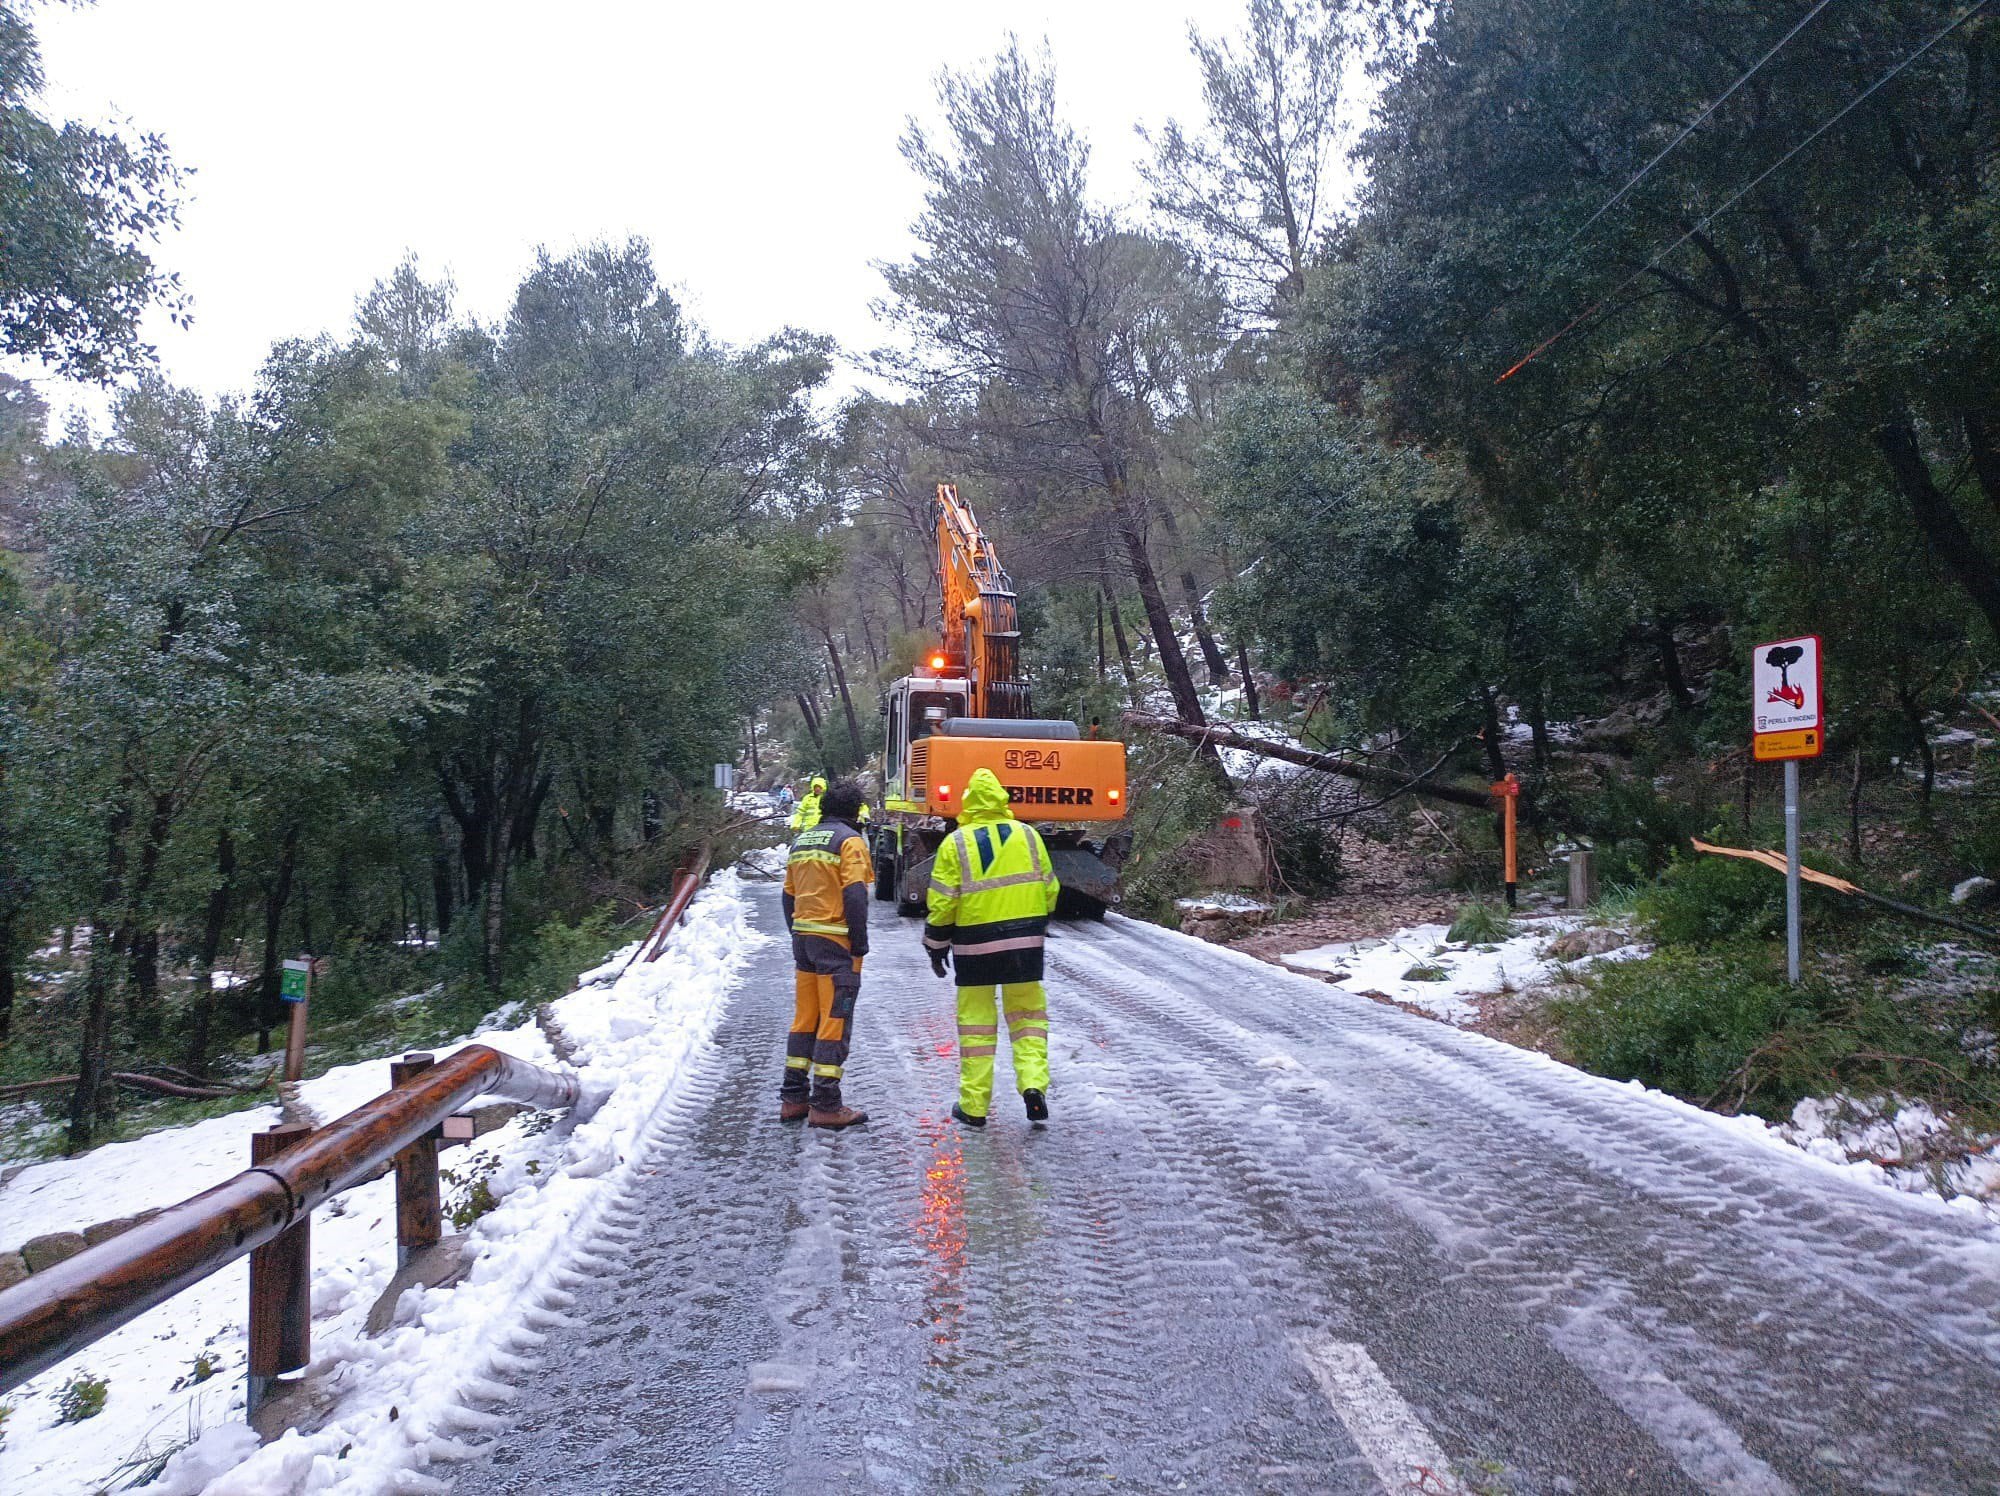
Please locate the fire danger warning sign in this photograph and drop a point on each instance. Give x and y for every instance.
(1787, 713)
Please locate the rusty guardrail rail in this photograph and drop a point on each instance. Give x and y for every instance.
(687, 882)
(266, 1212)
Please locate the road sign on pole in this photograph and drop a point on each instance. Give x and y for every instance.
(1788, 723)
(725, 776)
(295, 987)
(1787, 706)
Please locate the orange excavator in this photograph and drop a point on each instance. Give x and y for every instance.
(967, 707)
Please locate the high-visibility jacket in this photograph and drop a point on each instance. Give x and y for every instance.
(829, 876)
(807, 815)
(992, 891)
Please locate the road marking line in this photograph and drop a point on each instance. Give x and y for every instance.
(1398, 1448)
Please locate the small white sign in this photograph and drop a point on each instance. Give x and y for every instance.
(725, 776)
(1785, 685)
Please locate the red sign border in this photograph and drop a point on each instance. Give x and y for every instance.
(1819, 697)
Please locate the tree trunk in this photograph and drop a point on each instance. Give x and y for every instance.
(1953, 543)
(277, 894)
(1124, 645)
(1180, 681)
(1854, 812)
(443, 883)
(141, 929)
(1670, 666)
(1913, 713)
(214, 922)
(92, 1095)
(1249, 681)
(812, 722)
(1475, 798)
(1985, 455)
(846, 699)
(1218, 667)
(1102, 663)
(493, 930)
(1496, 762)
(6, 977)
(756, 767)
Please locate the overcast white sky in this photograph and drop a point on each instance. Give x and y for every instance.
(754, 145)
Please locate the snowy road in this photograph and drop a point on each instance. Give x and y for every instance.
(1276, 1239)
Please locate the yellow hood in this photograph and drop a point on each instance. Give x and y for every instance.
(985, 800)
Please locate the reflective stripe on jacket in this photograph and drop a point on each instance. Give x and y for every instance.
(992, 890)
(829, 876)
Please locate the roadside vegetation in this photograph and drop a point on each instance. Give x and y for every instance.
(417, 654)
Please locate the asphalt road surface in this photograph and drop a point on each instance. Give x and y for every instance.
(1275, 1238)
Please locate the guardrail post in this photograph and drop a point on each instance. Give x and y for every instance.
(419, 1209)
(280, 1283)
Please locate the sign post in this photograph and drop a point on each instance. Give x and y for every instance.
(1508, 793)
(1788, 723)
(295, 987)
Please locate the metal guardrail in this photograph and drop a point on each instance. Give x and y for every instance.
(266, 1211)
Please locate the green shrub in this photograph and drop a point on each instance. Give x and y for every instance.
(82, 1397)
(472, 1191)
(1480, 923)
(1703, 901)
(560, 952)
(1425, 972)
(1681, 1021)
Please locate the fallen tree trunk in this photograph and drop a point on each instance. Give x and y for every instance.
(133, 1081)
(1325, 763)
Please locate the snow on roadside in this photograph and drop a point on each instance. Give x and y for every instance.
(1451, 976)
(400, 1396)
(1890, 1142)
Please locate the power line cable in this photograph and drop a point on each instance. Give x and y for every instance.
(1700, 119)
(1737, 196)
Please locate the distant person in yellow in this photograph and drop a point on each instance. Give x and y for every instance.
(992, 891)
(829, 877)
(807, 815)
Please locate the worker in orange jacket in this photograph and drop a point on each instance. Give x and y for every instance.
(829, 877)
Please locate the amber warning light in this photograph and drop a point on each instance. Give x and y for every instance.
(937, 662)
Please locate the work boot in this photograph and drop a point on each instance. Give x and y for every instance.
(1037, 1104)
(960, 1114)
(790, 1110)
(838, 1116)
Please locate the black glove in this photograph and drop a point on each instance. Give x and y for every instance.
(941, 961)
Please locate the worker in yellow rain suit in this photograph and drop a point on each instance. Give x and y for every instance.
(806, 816)
(992, 891)
(829, 876)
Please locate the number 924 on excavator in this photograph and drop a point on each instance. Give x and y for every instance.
(967, 708)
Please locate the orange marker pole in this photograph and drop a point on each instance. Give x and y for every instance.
(1508, 792)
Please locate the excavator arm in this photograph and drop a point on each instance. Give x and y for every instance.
(982, 634)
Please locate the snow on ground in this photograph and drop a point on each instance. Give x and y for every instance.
(1222, 903)
(1448, 976)
(401, 1395)
(1904, 1143)
(1892, 1142)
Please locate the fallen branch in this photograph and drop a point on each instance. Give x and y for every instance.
(1325, 763)
(1776, 861)
(133, 1081)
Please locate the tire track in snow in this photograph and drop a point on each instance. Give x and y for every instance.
(1577, 1250)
